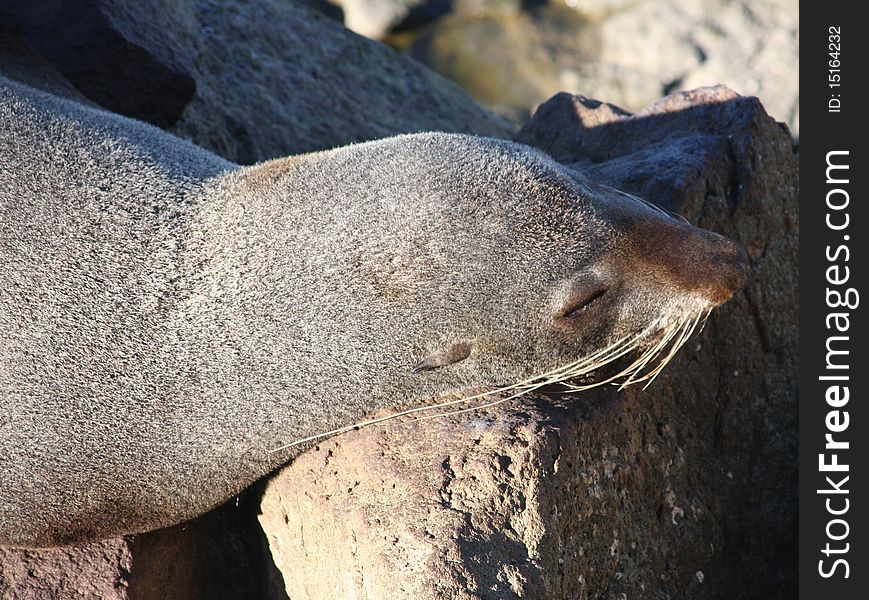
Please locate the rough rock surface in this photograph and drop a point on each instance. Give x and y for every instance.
(97, 570)
(20, 62)
(271, 78)
(685, 490)
(121, 55)
(658, 46)
(218, 556)
(512, 55)
(277, 79)
(510, 60)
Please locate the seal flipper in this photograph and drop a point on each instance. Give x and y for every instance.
(455, 353)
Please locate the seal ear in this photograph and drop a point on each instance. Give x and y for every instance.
(455, 353)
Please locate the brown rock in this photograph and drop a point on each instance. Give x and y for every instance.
(685, 490)
(98, 570)
(452, 507)
(218, 556)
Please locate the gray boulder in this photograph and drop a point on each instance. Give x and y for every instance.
(659, 46)
(247, 80)
(628, 51)
(125, 56)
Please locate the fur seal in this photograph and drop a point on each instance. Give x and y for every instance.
(168, 318)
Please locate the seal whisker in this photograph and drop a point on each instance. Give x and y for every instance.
(529, 385)
(435, 406)
(554, 376)
(648, 203)
(640, 359)
(488, 404)
(688, 332)
(630, 368)
(584, 368)
(617, 349)
(680, 331)
(678, 335)
(705, 318)
(585, 365)
(653, 373)
(640, 364)
(596, 359)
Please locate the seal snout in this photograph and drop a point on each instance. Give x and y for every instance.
(692, 260)
(724, 265)
(733, 260)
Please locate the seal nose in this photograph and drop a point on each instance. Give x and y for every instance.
(693, 260)
(734, 264)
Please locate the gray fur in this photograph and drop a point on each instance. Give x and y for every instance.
(168, 318)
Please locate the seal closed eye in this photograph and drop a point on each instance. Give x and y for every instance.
(169, 319)
(582, 301)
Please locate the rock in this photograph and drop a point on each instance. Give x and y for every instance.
(218, 556)
(99, 570)
(684, 490)
(628, 51)
(324, 7)
(509, 60)
(456, 507)
(277, 79)
(271, 78)
(378, 18)
(718, 159)
(602, 8)
(20, 62)
(753, 47)
(122, 55)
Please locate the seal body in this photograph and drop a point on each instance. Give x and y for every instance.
(168, 319)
